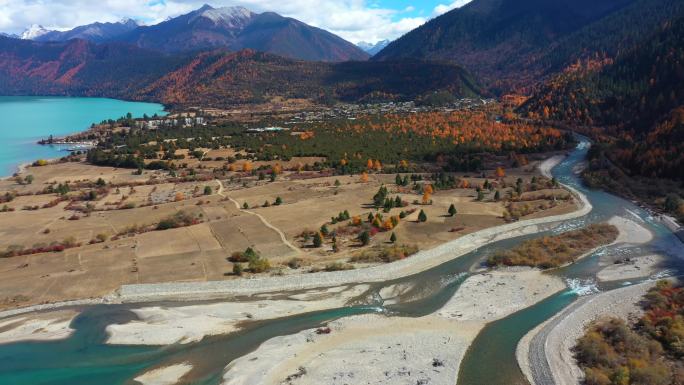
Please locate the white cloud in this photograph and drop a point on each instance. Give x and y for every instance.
(444, 8)
(354, 20)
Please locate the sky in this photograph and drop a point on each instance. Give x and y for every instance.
(354, 20)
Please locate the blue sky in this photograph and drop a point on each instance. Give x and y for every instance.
(425, 8)
(354, 20)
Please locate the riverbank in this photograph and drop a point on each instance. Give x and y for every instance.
(168, 375)
(535, 348)
(185, 324)
(546, 166)
(382, 349)
(631, 231)
(214, 290)
(545, 354)
(38, 327)
(638, 267)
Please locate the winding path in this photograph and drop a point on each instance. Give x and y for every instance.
(283, 238)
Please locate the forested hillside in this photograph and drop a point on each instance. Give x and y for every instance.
(78, 68)
(637, 100)
(212, 79)
(219, 78)
(512, 45)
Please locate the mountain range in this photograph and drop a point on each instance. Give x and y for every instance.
(216, 78)
(373, 48)
(33, 32)
(207, 28)
(96, 32)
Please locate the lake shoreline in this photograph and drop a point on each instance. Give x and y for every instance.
(38, 117)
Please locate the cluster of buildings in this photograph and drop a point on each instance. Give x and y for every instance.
(182, 121)
(352, 111)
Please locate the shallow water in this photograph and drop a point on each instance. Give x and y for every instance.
(27, 119)
(84, 359)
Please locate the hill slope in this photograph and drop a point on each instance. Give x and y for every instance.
(512, 44)
(253, 77)
(634, 98)
(634, 107)
(77, 68)
(217, 78)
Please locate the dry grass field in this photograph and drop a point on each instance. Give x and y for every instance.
(115, 240)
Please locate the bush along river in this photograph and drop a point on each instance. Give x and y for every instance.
(84, 358)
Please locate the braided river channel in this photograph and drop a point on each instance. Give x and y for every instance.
(84, 358)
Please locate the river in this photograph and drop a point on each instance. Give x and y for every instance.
(27, 119)
(83, 358)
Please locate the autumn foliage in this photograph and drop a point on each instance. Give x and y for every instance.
(651, 352)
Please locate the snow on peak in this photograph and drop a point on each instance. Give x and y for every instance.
(226, 15)
(128, 21)
(373, 48)
(33, 32)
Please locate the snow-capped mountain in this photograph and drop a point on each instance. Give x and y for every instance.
(237, 28)
(208, 28)
(231, 17)
(96, 32)
(373, 48)
(34, 32)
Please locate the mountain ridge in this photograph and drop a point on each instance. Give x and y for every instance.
(95, 32)
(214, 78)
(237, 28)
(511, 45)
(373, 48)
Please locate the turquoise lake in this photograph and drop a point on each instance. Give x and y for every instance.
(25, 120)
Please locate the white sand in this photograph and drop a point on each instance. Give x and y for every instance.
(169, 375)
(568, 326)
(391, 294)
(630, 231)
(375, 349)
(37, 327)
(185, 324)
(546, 166)
(490, 296)
(638, 267)
(367, 349)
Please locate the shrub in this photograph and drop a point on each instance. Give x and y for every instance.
(365, 238)
(294, 263)
(422, 217)
(338, 266)
(317, 240)
(259, 265)
(550, 252)
(179, 219)
(385, 254)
